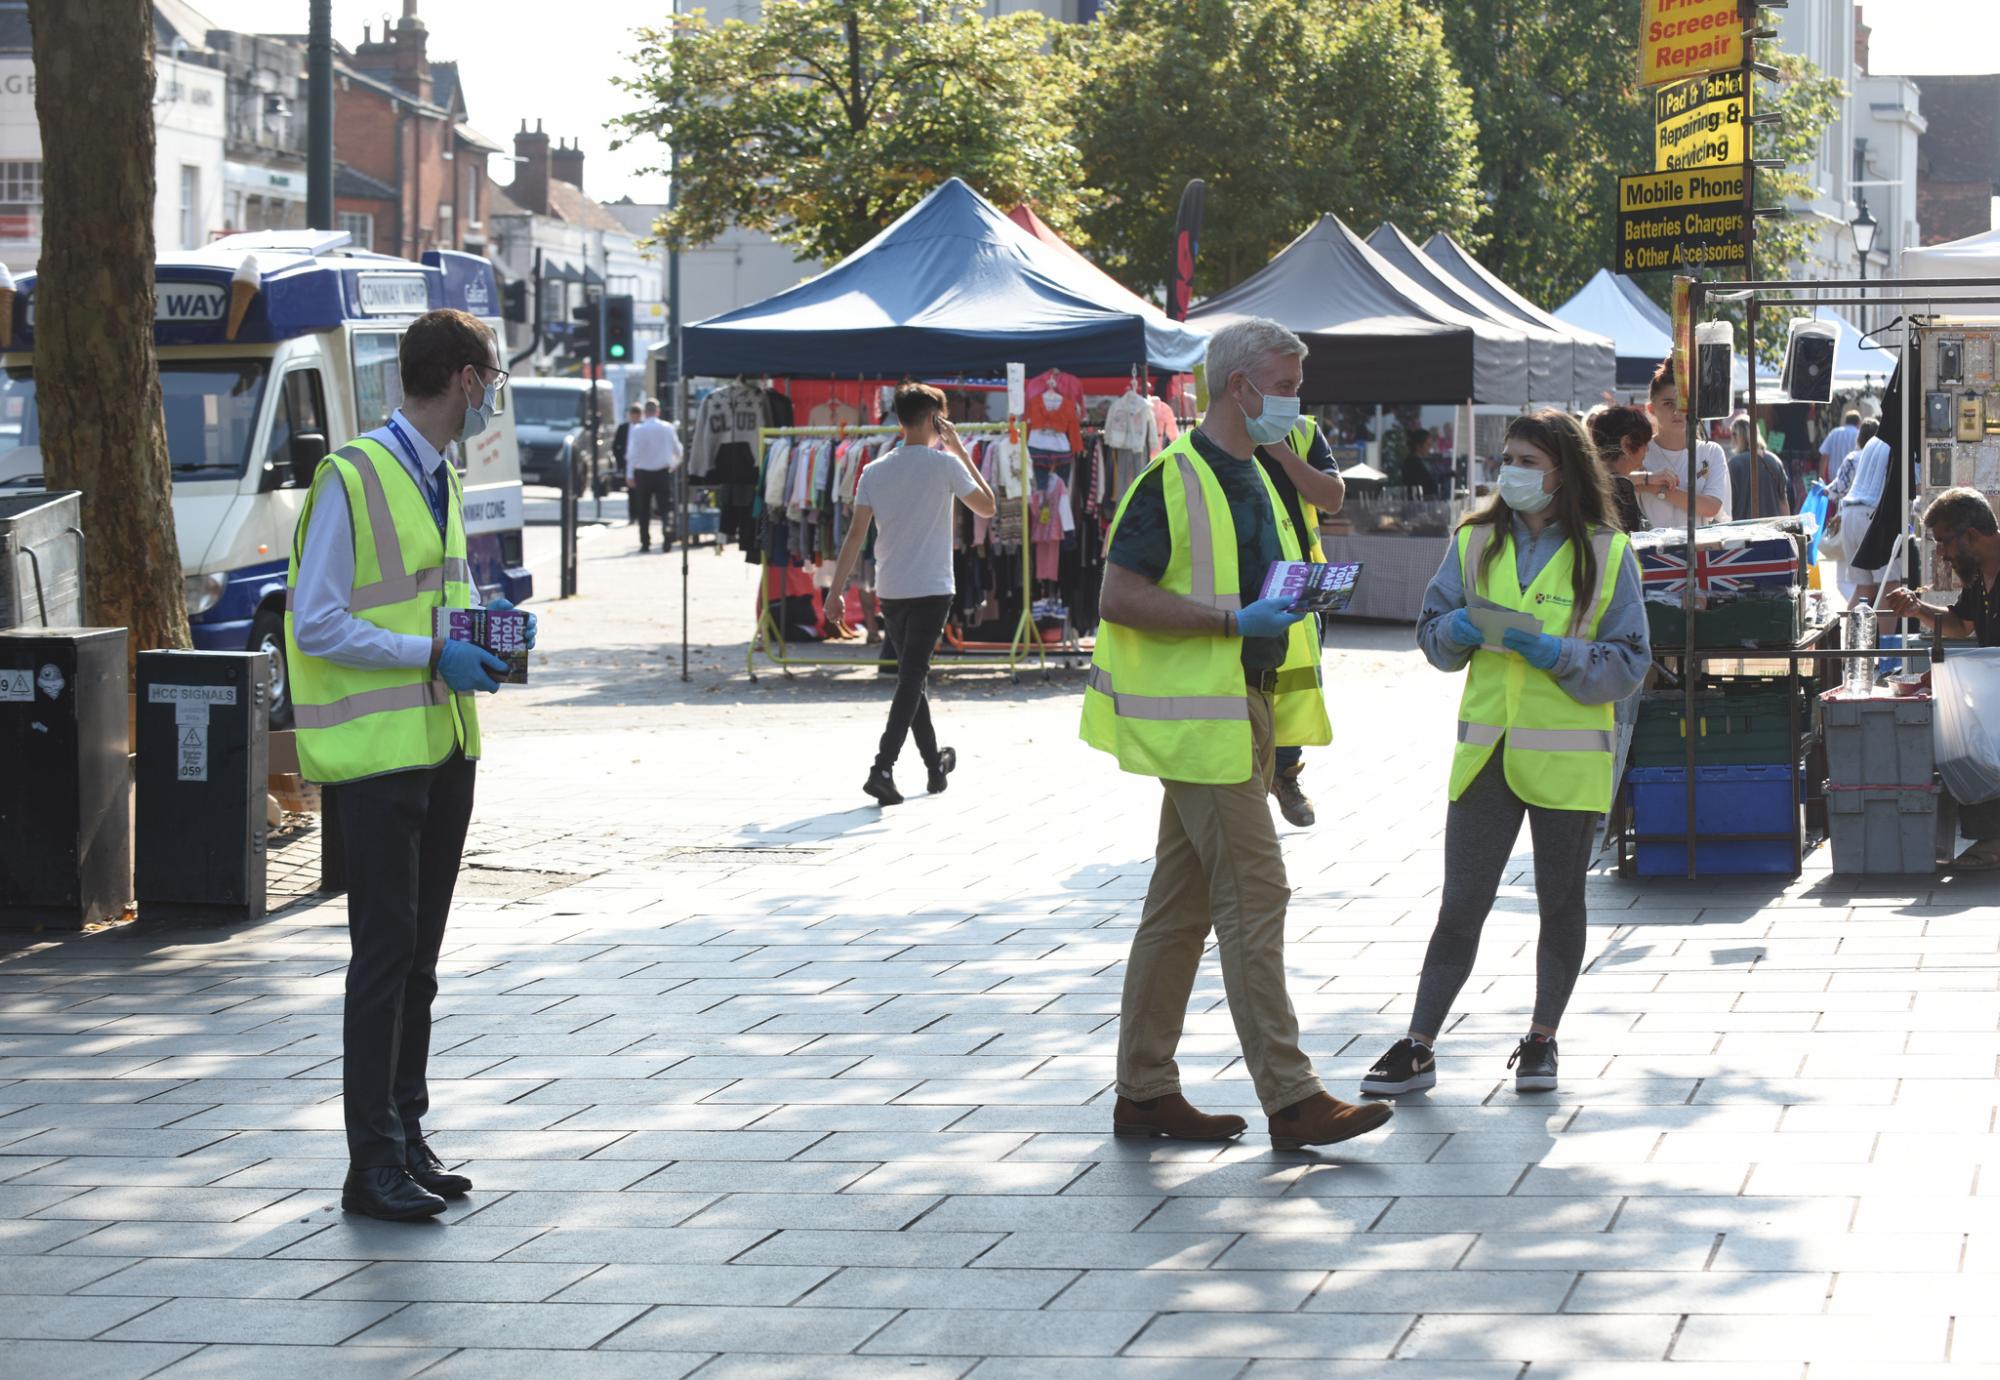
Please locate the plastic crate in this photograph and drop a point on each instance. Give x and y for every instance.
(1763, 622)
(1878, 742)
(1883, 832)
(1737, 726)
(704, 521)
(1751, 799)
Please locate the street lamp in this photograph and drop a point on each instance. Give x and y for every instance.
(1864, 227)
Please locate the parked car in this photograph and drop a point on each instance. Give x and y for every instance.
(552, 420)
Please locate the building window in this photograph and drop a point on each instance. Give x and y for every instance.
(472, 181)
(359, 225)
(190, 206)
(20, 201)
(447, 237)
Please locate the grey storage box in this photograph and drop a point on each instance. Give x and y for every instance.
(41, 559)
(1878, 742)
(1883, 832)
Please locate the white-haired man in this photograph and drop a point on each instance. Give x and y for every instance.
(1196, 681)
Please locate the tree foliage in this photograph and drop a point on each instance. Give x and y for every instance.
(1288, 108)
(1561, 117)
(826, 119)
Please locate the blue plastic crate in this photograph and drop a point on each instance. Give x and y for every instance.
(1727, 800)
(704, 521)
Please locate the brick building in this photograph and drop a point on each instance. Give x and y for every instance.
(1958, 159)
(411, 173)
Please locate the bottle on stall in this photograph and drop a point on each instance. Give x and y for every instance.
(1861, 639)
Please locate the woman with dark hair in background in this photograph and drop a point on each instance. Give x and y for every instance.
(1535, 725)
(1621, 435)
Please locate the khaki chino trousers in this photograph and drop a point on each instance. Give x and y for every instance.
(1217, 867)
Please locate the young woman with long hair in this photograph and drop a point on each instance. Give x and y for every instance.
(1535, 731)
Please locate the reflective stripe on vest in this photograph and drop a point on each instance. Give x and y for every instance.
(365, 702)
(1177, 706)
(1558, 753)
(1167, 707)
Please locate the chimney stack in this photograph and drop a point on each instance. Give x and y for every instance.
(1862, 34)
(566, 164)
(530, 190)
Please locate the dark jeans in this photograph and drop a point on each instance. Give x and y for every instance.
(1289, 757)
(1479, 832)
(650, 489)
(913, 627)
(404, 833)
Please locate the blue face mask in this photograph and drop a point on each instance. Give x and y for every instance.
(477, 415)
(1275, 422)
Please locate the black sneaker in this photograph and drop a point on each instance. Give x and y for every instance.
(882, 786)
(1536, 1059)
(946, 764)
(1407, 1067)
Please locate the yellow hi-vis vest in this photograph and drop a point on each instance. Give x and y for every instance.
(1558, 751)
(1176, 706)
(1300, 440)
(355, 722)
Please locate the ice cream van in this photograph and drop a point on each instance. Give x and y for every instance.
(274, 348)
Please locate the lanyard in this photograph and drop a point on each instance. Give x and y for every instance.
(433, 494)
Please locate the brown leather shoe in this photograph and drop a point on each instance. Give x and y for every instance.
(1323, 1119)
(1172, 1116)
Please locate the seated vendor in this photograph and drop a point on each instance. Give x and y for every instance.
(1961, 524)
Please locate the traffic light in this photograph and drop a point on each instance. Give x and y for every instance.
(514, 300)
(584, 337)
(618, 329)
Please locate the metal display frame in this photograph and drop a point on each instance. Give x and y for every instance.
(769, 637)
(1915, 298)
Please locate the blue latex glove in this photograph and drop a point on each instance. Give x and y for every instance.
(1267, 618)
(1460, 630)
(501, 605)
(1539, 650)
(467, 668)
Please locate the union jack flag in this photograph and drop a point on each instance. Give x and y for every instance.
(1759, 565)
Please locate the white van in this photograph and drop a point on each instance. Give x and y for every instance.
(250, 412)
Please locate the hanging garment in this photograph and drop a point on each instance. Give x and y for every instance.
(730, 415)
(1128, 422)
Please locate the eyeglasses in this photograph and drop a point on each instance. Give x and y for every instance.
(501, 374)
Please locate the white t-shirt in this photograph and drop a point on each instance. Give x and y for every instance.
(652, 445)
(911, 490)
(1711, 480)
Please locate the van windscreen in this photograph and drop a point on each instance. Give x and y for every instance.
(210, 407)
(552, 407)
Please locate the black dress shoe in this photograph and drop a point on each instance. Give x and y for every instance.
(429, 1172)
(390, 1194)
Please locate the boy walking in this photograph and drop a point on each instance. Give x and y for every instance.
(908, 495)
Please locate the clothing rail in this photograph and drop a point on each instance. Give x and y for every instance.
(770, 635)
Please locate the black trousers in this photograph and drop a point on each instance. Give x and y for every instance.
(913, 627)
(653, 489)
(405, 833)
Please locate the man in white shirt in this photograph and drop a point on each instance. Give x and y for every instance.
(908, 494)
(652, 454)
(1662, 486)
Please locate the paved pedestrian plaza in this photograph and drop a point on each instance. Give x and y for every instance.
(754, 1081)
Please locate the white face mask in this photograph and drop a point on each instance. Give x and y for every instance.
(1521, 489)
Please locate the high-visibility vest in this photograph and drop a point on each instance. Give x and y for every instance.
(355, 722)
(1559, 752)
(1300, 440)
(1176, 706)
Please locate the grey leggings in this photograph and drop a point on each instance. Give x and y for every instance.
(1479, 833)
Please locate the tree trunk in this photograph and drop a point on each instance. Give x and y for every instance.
(96, 381)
